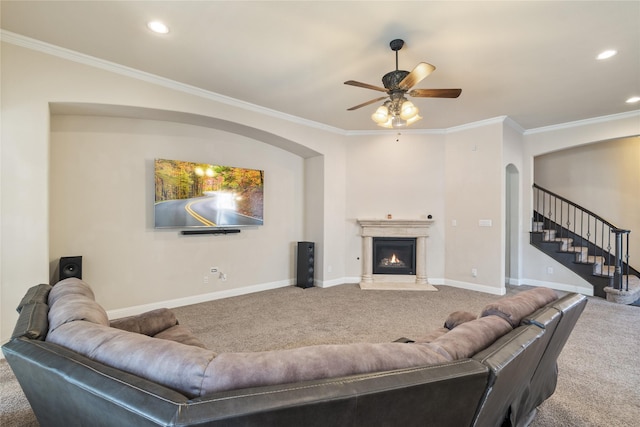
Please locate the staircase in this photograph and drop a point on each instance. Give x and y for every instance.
(588, 245)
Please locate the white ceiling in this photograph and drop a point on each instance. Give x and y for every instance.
(533, 61)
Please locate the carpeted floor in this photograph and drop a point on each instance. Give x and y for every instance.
(599, 380)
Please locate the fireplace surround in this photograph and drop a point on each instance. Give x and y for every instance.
(399, 229)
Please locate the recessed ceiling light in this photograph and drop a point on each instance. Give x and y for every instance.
(158, 27)
(633, 99)
(606, 54)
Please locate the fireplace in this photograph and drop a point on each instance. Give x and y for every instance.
(394, 255)
(407, 239)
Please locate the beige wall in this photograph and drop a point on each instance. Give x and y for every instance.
(398, 175)
(31, 80)
(603, 177)
(438, 173)
(101, 193)
(474, 192)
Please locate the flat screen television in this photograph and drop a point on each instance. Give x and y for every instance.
(202, 195)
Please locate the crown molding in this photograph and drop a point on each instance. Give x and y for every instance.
(81, 58)
(60, 52)
(478, 124)
(578, 123)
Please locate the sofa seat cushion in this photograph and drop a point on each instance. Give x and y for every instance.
(230, 371)
(174, 365)
(514, 308)
(149, 323)
(471, 337)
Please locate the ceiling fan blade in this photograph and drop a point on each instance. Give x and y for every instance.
(421, 71)
(436, 93)
(364, 104)
(364, 85)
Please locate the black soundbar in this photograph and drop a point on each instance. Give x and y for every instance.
(212, 231)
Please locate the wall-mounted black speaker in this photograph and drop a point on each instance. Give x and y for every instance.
(70, 266)
(306, 258)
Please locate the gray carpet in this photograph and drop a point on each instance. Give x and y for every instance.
(599, 378)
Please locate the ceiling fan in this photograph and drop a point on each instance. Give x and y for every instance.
(397, 111)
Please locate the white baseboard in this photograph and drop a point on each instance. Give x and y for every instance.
(196, 299)
(558, 286)
(475, 287)
(336, 282)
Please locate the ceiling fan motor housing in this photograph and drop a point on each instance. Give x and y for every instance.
(392, 79)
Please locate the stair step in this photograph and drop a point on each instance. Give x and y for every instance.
(567, 243)
(537, 226)
(593, 259)
(624, 296)
(604, 270)
(582, 252)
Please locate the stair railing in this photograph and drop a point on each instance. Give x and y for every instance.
(570, 220)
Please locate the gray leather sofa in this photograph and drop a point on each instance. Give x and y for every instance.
(489, 378)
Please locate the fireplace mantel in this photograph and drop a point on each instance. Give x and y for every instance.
(418, 228)
(395, 227)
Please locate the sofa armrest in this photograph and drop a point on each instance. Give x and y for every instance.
(65, 388)
(35, 294)
(32, 322)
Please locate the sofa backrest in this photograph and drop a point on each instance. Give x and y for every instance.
(522, 364)
(558, 320)
(512, 361)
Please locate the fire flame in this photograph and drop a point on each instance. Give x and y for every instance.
(394, 259)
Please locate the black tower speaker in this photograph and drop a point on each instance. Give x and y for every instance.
(70, 266)
(306, 258)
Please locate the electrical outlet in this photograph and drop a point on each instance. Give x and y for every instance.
(213, 270)
(549, 270)
(205, 279)
(474, 272)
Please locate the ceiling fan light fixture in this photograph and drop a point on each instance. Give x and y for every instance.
(413, 119)
(397, 111)
(387, 124)
(381, 115)
(408, 110)
(398, 122)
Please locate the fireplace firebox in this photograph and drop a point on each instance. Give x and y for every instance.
(394, 255)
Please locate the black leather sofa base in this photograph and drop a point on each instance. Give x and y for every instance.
(67, 389)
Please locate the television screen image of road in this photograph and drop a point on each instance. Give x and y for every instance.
(201, 195)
